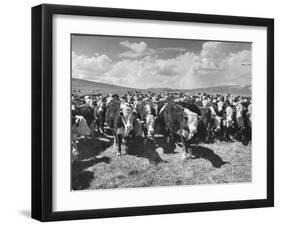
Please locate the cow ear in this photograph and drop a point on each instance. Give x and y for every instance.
(121, 113)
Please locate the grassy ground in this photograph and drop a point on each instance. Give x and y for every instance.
(158, 165)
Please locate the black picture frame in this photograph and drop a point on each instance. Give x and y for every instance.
(42, 107)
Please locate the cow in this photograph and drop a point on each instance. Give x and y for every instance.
(249, 115)
(113, 116)
(88, 113)
(79, 128)
(204, 125)
(159, 124)
(249, 120)
(99, 112)
(227, 123)
(146, 112)
(216, 121)
(120, 119)
(125, 131)
(183, 122)
(241, 122)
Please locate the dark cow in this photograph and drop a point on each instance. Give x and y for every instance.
(159, 125)
(204, 125)
(241, 123)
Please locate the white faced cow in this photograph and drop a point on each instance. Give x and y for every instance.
(79, 128)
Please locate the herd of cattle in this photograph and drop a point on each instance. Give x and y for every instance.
(179, 117)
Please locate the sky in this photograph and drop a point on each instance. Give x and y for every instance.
(139, 62)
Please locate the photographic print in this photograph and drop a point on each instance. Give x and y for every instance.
(159, 112)
(138, 112)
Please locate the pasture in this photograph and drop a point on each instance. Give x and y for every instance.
(156, 164)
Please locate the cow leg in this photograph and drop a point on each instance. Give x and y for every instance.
(74, 152)
(119, 141)
(189, 150)
(231, 134)
(224, 133)
(93, 127)
(99, 125)
(126, 146)
(169, 137)
(244, 137)
(144, 129)
(102, 126)
(185, 155)
(208, 131)
(114, 137)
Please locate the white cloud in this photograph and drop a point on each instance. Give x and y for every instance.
(150, 71)
(85, 67)
(218, 63)
(172, 49)
(221, 63)
(136, 49)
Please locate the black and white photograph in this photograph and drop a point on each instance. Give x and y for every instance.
(150, 112)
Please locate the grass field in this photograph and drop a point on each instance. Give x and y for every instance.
(158, 165)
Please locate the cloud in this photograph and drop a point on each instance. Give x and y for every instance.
(89, 67)
(214, 55)
(221, 63)
(218, 63)
(136, 49)
(172, 49)
(150, 71)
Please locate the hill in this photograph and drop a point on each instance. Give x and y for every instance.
(244, 90)
(85, 87)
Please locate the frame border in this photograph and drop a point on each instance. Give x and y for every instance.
(41, 204)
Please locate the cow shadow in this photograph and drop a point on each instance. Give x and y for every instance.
(88, 149)
(138, 147)
(80, 178)
(208, 154)
(92, 147)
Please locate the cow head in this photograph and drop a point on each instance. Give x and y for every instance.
(189, 124)
(220, 106)
(80, 126)
(127, 119)
(240, 113)
(101, 106)
(228, 121)
(150, 119)
(217, 123)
